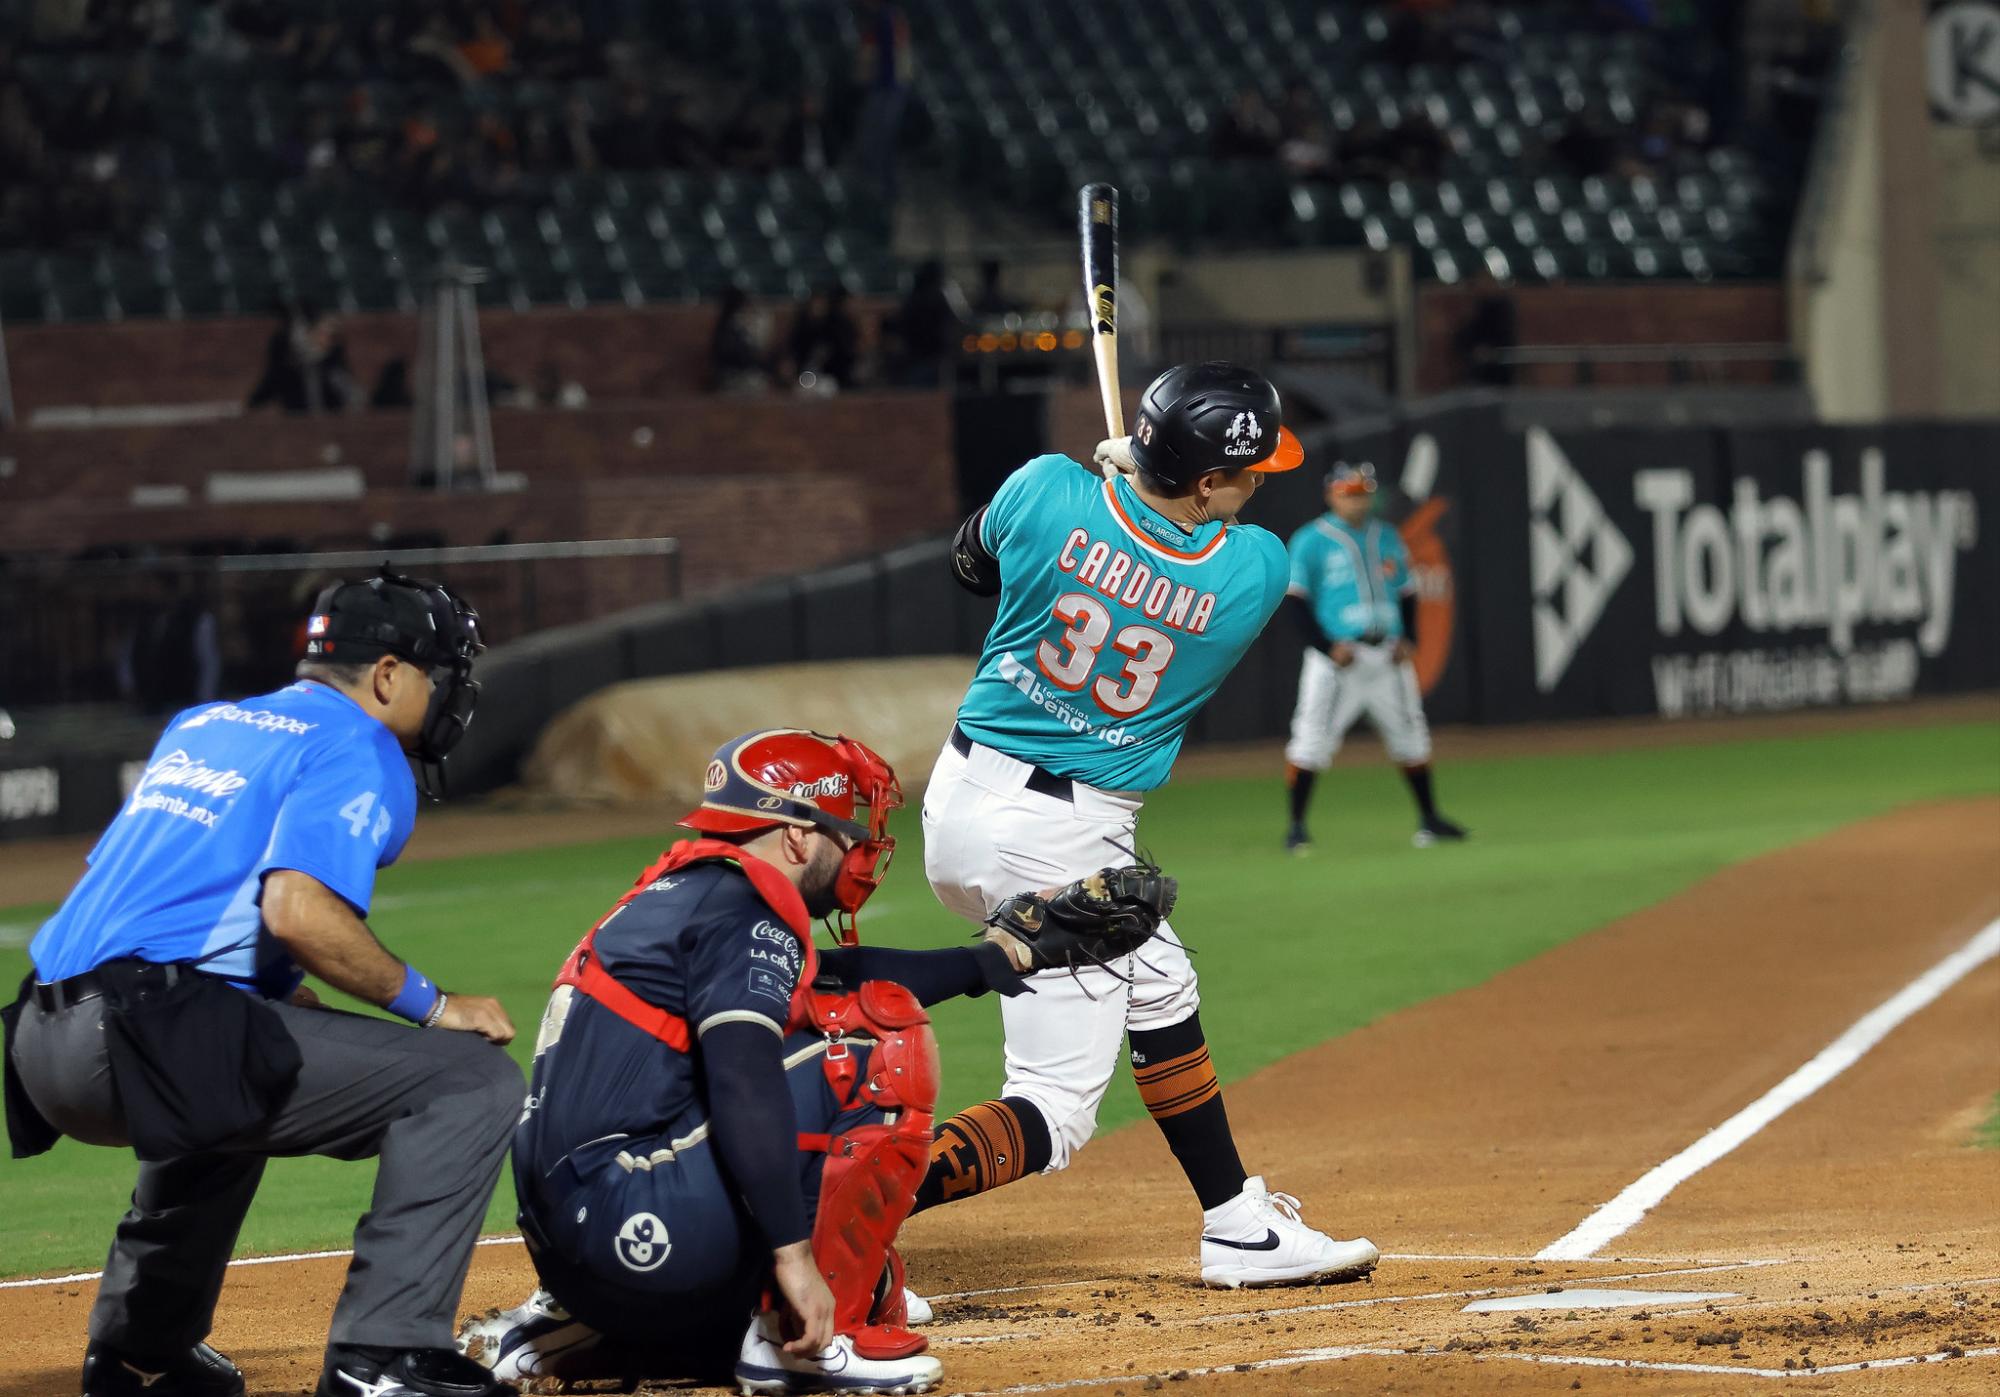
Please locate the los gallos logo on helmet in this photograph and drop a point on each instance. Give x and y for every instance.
(1243, 434)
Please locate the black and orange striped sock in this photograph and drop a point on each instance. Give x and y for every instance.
(983, 1147)
(1177, 1082)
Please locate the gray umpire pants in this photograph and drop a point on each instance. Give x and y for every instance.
(437, 1107)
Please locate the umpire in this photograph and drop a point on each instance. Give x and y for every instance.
(166, 1011)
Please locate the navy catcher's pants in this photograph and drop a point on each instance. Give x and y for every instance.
(645, 1240)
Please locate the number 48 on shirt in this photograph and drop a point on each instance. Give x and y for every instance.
(357, 811)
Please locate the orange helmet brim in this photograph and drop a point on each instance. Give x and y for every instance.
(1290, 455)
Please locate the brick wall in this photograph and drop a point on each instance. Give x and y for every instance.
(1722, 314)
(617, 354)
(753, 487)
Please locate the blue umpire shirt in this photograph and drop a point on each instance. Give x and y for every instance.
(300, 779)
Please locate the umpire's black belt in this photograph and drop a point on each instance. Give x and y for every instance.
(123, 974)
(1046, 782)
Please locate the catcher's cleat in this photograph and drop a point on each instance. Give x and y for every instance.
(763, 1366)
(535, 1339)
(1258, 1239)
(194, 1372)
(1436, 830)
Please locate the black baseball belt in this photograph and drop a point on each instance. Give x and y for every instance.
(123, 975)
(1045, 782)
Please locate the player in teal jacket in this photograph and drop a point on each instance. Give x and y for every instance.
(1352, 600)
(1124, 603)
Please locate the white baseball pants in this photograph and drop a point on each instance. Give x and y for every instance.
(987, 837)
(1332, 697)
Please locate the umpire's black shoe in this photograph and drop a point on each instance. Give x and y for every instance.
(196, 1372)
(417, 1372)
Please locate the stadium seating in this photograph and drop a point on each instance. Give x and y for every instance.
(1022, 102)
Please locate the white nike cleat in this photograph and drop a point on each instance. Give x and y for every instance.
(763, 1366)
(918, 1310)
(1257, 1239)
(535, 1339)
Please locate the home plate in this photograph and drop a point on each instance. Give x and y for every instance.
(1595, 1300)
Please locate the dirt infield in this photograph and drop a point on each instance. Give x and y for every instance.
(1466, 1134)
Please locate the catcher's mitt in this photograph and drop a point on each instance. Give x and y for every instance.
(1093, 921)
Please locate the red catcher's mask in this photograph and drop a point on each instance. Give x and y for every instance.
(790, 776)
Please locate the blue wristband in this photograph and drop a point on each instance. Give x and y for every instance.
(417, 997)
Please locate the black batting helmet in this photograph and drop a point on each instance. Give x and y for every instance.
(1197, 418)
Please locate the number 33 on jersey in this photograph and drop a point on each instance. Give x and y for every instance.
(1115, 626)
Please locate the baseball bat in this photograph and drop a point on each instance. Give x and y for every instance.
(1097, 227)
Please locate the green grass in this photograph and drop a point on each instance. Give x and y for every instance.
(1988, 1135)
(1291, 951)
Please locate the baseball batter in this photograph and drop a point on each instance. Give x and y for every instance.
(1124, 603)
(1353, 600)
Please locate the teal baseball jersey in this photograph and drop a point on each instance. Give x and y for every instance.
(1354, 578)
(1115, 625)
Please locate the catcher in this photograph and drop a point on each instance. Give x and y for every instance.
(721, 1111)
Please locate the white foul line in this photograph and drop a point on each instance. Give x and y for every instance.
(1624, 1212)
(80, 1276)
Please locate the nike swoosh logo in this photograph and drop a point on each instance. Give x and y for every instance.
(145, 1378)
(1270, 1242)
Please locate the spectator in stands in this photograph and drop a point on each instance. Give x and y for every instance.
(1305, 148)
(554, 387)
(576, 138)
(323, 53)
(677, 142)
(750, 140)
(629, 139)
(435, 52)
(552, 42)
(992, 299)
(825, 343)
(1491, 329)
(1250, 131)
(494, 165)
(362, 136)
(305, 365)
(1584, 148)
(263, 24)
(925, 329)
(883, 67)
(1418, 148)
(174, 660)
(313, 153)
(392, 386)
(485, 49)
(738, 362)
(807, 142)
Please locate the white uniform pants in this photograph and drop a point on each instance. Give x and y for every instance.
(987, 837)
(1332, 697)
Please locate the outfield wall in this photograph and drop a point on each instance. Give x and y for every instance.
(1677, 571)
(1693, 571)
(1680, 572)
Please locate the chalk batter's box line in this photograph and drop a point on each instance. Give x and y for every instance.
(1303, 1357)
(79, 1277)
